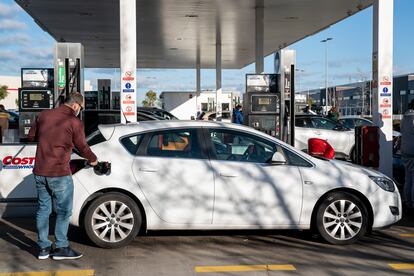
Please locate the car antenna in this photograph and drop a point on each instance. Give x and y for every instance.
(126, 120)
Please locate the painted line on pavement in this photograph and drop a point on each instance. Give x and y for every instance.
(51, 273)
(402, 266)
(407, 235)
(240, 268)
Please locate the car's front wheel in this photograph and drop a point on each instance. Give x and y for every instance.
(342, 218)
(112, 220)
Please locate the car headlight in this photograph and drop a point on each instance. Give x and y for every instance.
(385, 183)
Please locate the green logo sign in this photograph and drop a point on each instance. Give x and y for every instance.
(61, 77)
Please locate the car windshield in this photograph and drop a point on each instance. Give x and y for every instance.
(323, 123)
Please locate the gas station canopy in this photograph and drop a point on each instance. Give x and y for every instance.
(170, 33)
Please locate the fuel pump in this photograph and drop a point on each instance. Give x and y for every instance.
(36, 95)
(284, 63)
(68, 70)
(263, 103)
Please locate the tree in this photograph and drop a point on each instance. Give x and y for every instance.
(3, 92)
(150, 99)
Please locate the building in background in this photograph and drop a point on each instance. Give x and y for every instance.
(185, 105)
(356, 98)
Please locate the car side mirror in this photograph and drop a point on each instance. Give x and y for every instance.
(278, 159)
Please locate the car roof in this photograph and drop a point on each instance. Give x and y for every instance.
(119, 130)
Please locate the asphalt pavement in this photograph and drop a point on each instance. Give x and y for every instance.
(384, 252)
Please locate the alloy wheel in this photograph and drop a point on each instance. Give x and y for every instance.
(342, 219)
(112, 221)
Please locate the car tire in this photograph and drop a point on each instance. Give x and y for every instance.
(342, 218)
(112, 220)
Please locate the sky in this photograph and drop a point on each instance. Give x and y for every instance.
(25, 44)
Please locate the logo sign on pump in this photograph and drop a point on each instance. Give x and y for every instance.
(17, 163)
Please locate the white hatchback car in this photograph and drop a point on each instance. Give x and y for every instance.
(341, 138)
(214, 175)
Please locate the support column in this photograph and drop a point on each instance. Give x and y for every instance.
(198, 85)
(382, 75)
(259, 25)
(128, 63)
(218, 69)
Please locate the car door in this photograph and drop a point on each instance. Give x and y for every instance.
(249, 191)
(175, 176)
(330, 131)
(303, 132)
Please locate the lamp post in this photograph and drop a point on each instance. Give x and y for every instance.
(326, 72)
(301, 71)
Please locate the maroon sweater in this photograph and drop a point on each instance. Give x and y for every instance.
(57, 132)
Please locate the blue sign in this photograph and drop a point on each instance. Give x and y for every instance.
(385, 94)
(385, 90)
(128, 85)
(128, 90)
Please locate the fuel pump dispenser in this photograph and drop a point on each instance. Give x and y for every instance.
(35, 96)
(263, 103)
(68, 70)
(284, 63)
(269, 101)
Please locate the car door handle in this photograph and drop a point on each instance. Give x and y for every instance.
(228, 175)
(147, 170)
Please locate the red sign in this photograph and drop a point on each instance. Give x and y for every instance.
(128, 76)
(10, 160)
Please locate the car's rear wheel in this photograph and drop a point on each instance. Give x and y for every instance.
(342, 218)
(112, 220)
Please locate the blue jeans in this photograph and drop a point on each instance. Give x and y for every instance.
(58, 190)
(409, 182)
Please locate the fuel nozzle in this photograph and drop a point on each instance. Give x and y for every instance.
(103, 168)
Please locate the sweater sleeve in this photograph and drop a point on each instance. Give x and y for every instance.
(79, 141)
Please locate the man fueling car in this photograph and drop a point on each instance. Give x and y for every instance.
(57, 131)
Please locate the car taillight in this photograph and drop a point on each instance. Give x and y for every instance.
(77, 165)
(320, 148)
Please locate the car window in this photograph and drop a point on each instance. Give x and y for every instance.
(141, 117)
(237, 146)
(295, 160)
(361, 122)
(132, 143)
(349, 123)
(303, 122)
(181, 144)
(322, 123)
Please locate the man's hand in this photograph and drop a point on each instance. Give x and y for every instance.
(94, 163)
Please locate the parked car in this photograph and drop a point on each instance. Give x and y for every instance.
(211, 116)
(354, 121)
(339, 136)
(161, 113)
(214, 175)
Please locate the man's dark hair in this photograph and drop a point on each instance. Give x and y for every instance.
(411, 104)
(74, 97)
